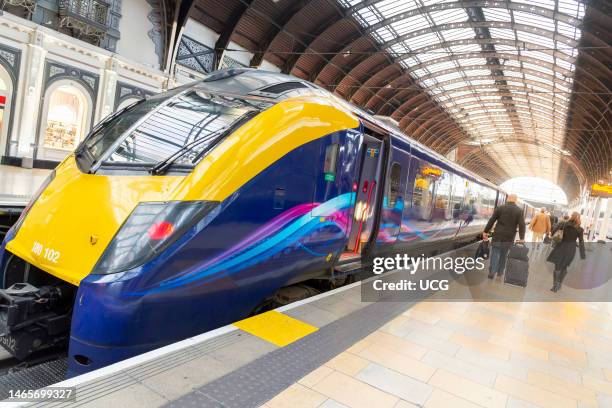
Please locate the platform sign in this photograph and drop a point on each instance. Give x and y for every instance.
(601, 190)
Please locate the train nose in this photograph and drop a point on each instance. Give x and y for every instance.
(68, 228)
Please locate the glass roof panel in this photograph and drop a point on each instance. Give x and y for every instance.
(502, 33)
(568, 30)
(541, 41)
(565, 65)
(386, 34)
(534, 20)
(424, 40)
(370, 17)
(448, 16)
(458, 33)
(410, 24)
(494, 14)
(549, 4)
(392, 7)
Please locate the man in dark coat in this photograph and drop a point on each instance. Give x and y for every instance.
(506, 218)
(553, 219)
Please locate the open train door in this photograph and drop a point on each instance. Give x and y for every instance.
(369, 187)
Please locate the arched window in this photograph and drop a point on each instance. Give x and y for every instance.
(66, 116)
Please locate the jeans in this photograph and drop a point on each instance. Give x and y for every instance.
(497, 259)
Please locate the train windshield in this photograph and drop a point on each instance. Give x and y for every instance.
(184, 125)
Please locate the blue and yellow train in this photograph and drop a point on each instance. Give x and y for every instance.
(187, 210)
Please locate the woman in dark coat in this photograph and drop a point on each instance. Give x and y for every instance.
(563, 253)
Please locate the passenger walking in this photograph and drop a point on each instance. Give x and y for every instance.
(559, 224)
(539, 226)
(563, 253)
(506, 218)
(553, 219)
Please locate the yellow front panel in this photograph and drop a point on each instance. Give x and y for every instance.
(75, 218)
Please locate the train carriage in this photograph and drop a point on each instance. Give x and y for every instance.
(185, 211)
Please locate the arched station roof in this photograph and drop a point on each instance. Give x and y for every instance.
(518, 87)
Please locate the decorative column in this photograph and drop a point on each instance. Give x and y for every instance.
(30, 94)
(594, 218)
(106, 93)
(169, 82)
(603, 229)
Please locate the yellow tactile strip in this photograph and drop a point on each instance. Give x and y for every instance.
(275, 327)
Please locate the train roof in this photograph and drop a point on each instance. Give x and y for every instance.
(277, 86)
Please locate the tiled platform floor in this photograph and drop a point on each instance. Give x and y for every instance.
(455, 355)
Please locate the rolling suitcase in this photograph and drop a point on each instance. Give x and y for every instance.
(517, 266)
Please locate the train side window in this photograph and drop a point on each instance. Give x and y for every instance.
(492, 194)
(394, 184)
(331, 160)
(458, 194)
(479, 200)
(424, 184)
(443, 191)
(470, 206)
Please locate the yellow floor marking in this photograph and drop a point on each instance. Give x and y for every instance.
(277, 328)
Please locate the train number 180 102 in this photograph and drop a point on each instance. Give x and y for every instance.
(49, 254)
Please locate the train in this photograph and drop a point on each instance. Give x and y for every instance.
(190, 209)
(529, 211)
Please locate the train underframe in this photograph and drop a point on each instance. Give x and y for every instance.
(35, 310)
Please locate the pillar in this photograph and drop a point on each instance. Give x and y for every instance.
(30, 94)
(594, 218)
(603, 229)
(106, 94)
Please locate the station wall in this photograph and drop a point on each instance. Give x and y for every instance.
(136, 30)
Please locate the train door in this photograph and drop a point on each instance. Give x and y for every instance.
(394, 197)
(501, 199)
(369, 187)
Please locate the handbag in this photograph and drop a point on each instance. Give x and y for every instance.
(547, 239)
(483, 250)
(558, 236)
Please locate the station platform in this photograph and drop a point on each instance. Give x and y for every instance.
(17, 184)
(335, 350)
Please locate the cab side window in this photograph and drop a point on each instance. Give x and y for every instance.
(331, 160)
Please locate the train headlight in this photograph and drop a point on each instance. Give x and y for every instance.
(149, 229)
(34, 198)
